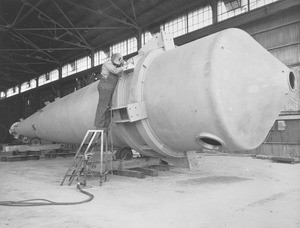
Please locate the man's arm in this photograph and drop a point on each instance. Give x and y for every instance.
(113, 69)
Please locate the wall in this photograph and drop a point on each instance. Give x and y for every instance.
(280, 34)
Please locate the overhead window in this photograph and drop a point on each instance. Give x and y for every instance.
(231, 8)
(131, 45)
(120, 47)
(176, 27)
(25, 86)
(2, 95)
(76, 66)
(48, 77)
(12, 91)
(83, 63)
(32, 83)
(146, 36)
(259, 3)
(100, 57)
(199, 18)
(125, 47)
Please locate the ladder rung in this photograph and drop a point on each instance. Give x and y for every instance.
(85, 150)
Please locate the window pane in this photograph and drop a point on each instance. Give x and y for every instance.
(32, 83)
(146, 36)
(132, 45)
(2, 95)
(259, 3)
(64, 71)
(48, 77)
(231, 8)
(54, 75)
(199, 18)
(120, 48)
(24, 86)
(100, 57)
(12, 91)
(176, 27)
(83, 64)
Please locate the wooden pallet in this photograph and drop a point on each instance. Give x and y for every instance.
(11, 158)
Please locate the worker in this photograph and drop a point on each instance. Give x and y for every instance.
(111, 70)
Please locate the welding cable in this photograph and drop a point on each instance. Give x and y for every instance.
(45, 202)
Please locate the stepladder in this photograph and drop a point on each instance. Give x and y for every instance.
(79, 166)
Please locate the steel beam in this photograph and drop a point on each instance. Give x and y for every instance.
(25, 40)
(40, 49)
(56, 39)
(3, 19)
(14, 69)
(133, 9)
(55, 22)
(9, 79)
(69, 28)
(21, 65)
(100, 12)
(16, 18)
(33, 7)
(24, 63)
(33, 57)
(62, 12)
(123, 13)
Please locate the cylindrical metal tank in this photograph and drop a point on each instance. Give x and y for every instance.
(223, 91)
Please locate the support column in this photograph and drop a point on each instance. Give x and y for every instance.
(92, 57)
(37, 81)
(214, 8)
(139, 39)
(58, 88)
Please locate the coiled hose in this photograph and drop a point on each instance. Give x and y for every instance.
(44, 202)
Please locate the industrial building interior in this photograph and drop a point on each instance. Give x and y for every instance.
(51, 49)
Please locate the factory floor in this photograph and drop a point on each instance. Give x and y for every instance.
(222, 191)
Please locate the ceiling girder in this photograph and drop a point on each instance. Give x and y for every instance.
(78, 33)
(40, 49)
(55, 22)
(27, 41)
(7, 69)
(9, 79)
(69, 28)
(57, 39)
(24, 63)
(133, 10)
(32, 8)
(3, 19)
(33, 57)
(21, 65)
(18, 14)
(123, 13)
(100, 12)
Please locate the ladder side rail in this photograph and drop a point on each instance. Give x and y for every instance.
(76, 172)
(98, 135)
(94, 141)
(101, 158)
(90, 143)
(83, 141)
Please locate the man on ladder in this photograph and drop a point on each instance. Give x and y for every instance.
(111, 70)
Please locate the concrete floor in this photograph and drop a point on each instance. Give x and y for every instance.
(222, 191)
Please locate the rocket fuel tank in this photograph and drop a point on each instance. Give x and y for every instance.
(223, 91)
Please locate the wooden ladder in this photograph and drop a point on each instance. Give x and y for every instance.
(83, 155)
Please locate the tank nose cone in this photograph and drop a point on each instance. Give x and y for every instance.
(249, 88)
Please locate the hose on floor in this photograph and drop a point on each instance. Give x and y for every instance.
(44, 202)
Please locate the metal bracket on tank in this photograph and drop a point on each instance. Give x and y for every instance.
(168, 40)
(130, 113)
